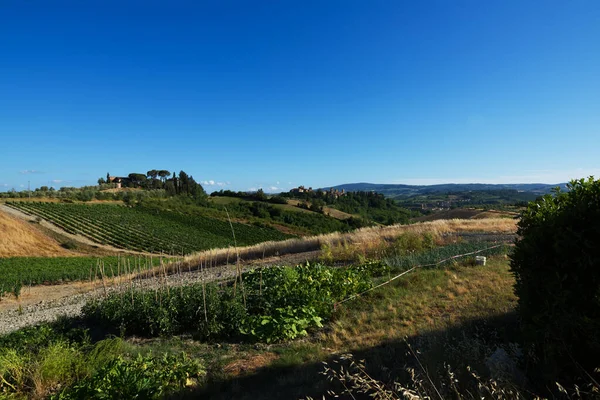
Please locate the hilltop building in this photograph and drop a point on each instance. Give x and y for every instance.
(302, 189)
(336, 193)
(118, 180)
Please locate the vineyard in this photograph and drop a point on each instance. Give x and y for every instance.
(139, 229)
(16, 272)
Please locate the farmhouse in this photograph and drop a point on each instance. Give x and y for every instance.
(118, 180)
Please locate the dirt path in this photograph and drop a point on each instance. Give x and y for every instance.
(76, 238)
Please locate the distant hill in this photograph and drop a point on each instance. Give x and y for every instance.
(399, 190)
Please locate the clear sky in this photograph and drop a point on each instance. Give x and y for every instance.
(274, 94)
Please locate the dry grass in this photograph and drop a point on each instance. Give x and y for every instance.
(332, 212)
(362, 240)
(250, 364)
(466, 213)
(496, 214)
(18, 238)
(428, 300)
(430, 308)
(337, 214)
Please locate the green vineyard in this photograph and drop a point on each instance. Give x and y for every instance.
(17, 272)
(146, 230)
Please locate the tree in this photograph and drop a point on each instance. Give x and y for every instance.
(137, 179)
(556, 263)
(154, 182)
(260, 195)
(163, 174)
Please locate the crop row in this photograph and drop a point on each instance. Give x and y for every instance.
(157, 231)
(99, 230)
(17, 272)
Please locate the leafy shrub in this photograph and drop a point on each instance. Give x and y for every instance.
(145, 377)
(315, 286)
(69, 244)
(284, 323)
(556, 263)
(278, 200)
(374, 268)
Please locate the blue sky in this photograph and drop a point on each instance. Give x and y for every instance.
(274, 94)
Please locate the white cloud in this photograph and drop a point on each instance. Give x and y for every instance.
(21, 186)
(30, 171)
(213, 183)
(273, 188)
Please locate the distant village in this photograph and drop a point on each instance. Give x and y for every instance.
(332, 192)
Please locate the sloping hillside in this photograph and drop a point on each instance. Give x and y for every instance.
(18, 238)
(394, 190)
(465, 213)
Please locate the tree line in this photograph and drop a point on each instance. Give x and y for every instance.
(174, 184)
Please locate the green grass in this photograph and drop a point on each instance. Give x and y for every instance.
(224, 200)
(50, 362)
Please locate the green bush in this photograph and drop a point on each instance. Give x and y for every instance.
(145, 377)
(283, 323)
(556, 263)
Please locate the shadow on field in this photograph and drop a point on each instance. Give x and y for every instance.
(461, 346)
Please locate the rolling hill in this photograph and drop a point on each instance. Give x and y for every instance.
(400, 190)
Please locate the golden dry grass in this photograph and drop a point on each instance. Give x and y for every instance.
(249, 364)
(427, 300)
(364, 239)
(18, 238)
(337, 214)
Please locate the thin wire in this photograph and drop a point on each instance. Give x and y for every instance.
(413, 268)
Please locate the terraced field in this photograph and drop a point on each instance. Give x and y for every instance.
(146, 230)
